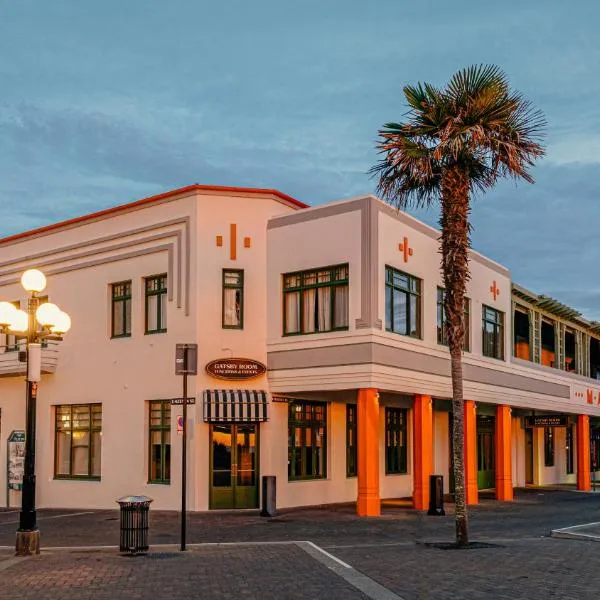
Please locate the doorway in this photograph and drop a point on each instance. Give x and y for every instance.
(234, 465)
(486, 459)
(529, 456)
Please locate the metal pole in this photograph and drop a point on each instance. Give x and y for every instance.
(184, 451)
(27, 535)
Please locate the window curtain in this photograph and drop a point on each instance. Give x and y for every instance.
(309, 300)
(292, 312)
(324, 308)
(340, 307)
(231, 307)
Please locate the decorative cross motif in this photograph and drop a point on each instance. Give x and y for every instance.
(233, 241)
(404, 247)
(495, 291)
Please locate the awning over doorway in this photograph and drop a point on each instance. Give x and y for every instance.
(235, 406)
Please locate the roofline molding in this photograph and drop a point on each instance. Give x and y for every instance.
(156, 199)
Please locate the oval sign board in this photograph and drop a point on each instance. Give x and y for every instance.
(235, 368)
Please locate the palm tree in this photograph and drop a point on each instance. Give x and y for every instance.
(457, 140)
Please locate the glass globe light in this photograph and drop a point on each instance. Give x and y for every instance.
(20, 322)
(33, 280)
(47, 314)
(63, 323)
(7, 313)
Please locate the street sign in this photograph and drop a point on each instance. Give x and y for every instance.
(180, 424)
(180, 401)
(186, 359)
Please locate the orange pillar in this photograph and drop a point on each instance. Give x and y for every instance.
(422, 450)
(504, 487)
(471, 452)
(368, 503)
(583, 453)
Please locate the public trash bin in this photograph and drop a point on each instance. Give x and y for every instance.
(436, 495)
(134, 524)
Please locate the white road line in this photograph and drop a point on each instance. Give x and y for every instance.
(331, 556)
(51, 517)
(577, 526)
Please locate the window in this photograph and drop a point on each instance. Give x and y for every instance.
(11, 340)
(395, 441)
(233, 299)
(493, 332)
(121, 309)
(159, 462)
(549, 446)
(402, 303)
(156, 304)
(351, 433)
(307, 446)
(315, 301)
(442, 324)
(78, 441)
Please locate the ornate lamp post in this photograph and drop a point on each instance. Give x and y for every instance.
(39, 322)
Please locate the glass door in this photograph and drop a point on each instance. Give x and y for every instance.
(234, 466)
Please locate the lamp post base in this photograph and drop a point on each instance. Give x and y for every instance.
(28, 543)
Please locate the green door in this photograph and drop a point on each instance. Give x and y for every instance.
(486, 464)
(234, 466)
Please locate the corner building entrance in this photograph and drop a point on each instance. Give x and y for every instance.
(234, 417)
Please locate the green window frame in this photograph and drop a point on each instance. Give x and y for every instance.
(78, 441)
(549, 446)
(402, 303)
(155, 304)
(232, 305)
(316, 301)
(307, 440)
(492, 332)
(12, 343)
(159, 441)
(351, 441)
(396, 445)
(442, 331)
(120, 309)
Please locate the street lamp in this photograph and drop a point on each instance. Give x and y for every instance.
(40, 322)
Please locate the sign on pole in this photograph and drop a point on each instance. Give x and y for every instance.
(16, 460)
(183, 367)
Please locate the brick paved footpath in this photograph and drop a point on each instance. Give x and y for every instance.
(523, 561)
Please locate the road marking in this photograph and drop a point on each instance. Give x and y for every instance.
(9, 562)
(355, 578)
(51, 517)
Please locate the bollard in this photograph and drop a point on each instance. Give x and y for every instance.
(268, 497)
(436, 496)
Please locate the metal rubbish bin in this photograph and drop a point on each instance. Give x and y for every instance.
(134, 524)
(436, 496)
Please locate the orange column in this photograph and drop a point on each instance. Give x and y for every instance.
(368, 503)
(422, 450)
(471, 452)
(504, 487)
(583, 453)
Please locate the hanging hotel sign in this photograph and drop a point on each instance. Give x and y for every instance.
(16, 460)
(235, 368)
(547, 421)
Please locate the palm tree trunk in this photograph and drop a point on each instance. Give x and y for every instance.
(455, 244)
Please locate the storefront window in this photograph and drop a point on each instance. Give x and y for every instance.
(549, 446)
(159, 461)
(78, 441)
(351, 432)
(307, 435)
(395, 441)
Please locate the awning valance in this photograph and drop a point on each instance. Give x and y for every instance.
(235, 406)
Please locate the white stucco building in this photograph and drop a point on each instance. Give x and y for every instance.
(341, 303)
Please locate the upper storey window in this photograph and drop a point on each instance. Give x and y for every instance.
(402, 303)
(493, 332)
(156, 304)
(315, 301)
(442, 323)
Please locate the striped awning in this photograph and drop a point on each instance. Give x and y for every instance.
(235, 406)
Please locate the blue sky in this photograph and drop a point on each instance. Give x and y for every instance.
(106, 102)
